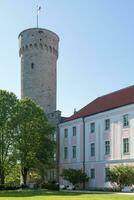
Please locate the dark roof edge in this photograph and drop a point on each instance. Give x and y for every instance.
(96, 113)
(116, 91)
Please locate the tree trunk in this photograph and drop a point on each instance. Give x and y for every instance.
(24, 172)
(2, 176)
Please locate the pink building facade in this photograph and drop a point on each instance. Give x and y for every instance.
(99, 140)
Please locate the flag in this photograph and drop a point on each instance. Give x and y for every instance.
(39, 9)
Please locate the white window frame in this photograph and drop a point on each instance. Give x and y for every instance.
(107, 147)
(92, 127)
(126, 146)
(65, 153)
(92, 173)
(107, 124)
(125, 120)
(66, 133)
(92, 149)
(74, 131)
(74, 152)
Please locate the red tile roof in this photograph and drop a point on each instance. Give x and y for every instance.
(107, 102)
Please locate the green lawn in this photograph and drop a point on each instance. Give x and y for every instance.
(42, 195)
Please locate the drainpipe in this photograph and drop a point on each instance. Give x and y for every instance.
(83, 120)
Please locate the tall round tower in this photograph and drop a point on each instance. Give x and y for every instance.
(38, 50)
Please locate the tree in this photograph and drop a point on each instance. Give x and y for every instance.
(8, 109)
(121, 175)
(33, 143)
(13, 177)
(74, 176)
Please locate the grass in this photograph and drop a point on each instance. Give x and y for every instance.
(43, 195)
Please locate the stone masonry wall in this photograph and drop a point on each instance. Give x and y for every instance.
(38, 50)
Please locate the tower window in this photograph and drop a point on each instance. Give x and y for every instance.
(41, 45)
(40, 31)
(32, 65)
(50, 48)
(46, 47)
(26, 47)
(31, 45)
(35, 45)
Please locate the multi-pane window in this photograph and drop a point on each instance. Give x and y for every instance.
(74, 131)
(92, 173)
(73, 151)
(107, 147)
(65, 133)
(106, 173)
(107, 124)
(125, 145)
(65, 153)
(92, 127)
(125, 120)
(92, 149)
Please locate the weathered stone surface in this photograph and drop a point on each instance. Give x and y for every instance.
(38, 50)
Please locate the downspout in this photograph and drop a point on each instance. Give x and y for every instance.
(83, 120)
(58, 154)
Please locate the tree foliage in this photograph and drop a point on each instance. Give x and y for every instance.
(13, 177)
(122, 175)
(8, 109)
(34, 143)
(25, 136)
(74, 176)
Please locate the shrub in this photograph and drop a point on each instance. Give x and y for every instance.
(51, 186)
(75, 176)
(121, 175)
(9, 187)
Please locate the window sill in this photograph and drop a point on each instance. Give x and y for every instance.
(126, 127)
(125, 154)
(107, 130)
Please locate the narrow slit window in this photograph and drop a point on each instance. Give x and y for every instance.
(32, 65)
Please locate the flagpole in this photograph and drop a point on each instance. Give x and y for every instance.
(37, 16)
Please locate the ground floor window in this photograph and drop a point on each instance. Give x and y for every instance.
(92, 173)
(106, 173)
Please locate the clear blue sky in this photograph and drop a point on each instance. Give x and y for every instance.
(96, 54)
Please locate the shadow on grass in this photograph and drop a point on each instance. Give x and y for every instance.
(32, 193)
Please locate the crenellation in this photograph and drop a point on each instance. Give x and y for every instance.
(39, 46)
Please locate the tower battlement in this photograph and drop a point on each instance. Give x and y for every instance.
(38, 39)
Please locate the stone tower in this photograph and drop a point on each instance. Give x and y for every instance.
(38, 51)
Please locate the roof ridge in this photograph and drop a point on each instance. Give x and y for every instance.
(117, 91)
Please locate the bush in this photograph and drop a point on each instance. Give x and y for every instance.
(75, 176)
(9, 187)
(122, 175)
(51, 186)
